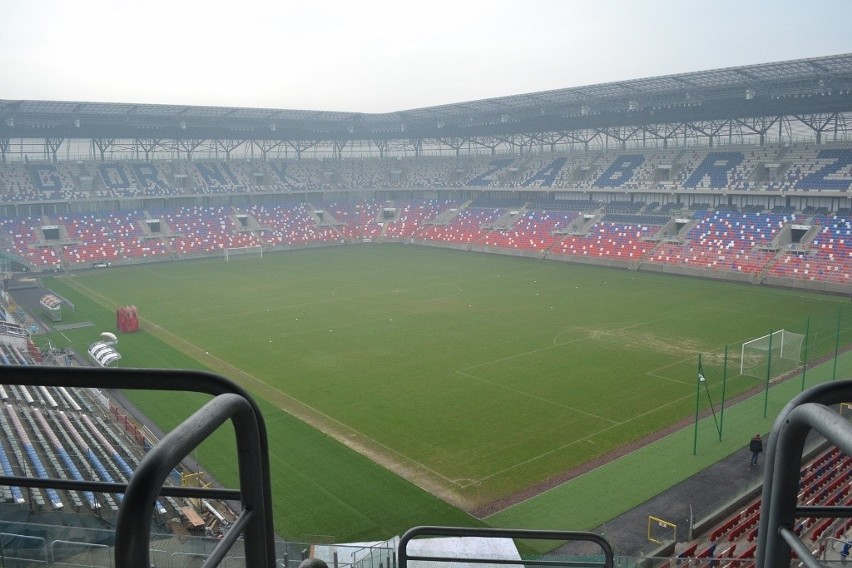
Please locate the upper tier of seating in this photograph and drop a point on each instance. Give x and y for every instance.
(749, 168)
(811, 168)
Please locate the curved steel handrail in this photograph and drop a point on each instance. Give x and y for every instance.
(779, 508)
(230, 402)
(405, 557)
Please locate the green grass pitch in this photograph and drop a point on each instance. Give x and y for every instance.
(474, 376)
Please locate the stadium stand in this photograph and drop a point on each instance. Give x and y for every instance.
(413, 215)
(24, 239)
(42, 439)
(82, 448)
(150, 180)
(367, 173)
(58, 456)
(301, 175)
(710, 170)
(725, 238)
(291, 225)
(428, 172)
(219, 177)
(541, 172)
(204, 230)
(620, 171)
(741, 168)
(494, 174)
(832, 171)
(726, 241)
(108, 237)
(824, 482)
(33, 460)
(367, 217)
(466, 227)
(828, 258)
(535, 230)
(623, 242)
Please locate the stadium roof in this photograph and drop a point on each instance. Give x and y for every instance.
(803, 86)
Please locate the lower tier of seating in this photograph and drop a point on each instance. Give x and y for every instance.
(719, 241)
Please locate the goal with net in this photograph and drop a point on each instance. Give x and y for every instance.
(235, 252)
(779, 351)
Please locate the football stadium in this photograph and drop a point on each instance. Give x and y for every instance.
(536, 329)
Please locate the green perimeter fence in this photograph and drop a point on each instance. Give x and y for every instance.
(756, 364)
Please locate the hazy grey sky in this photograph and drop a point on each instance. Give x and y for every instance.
(382, 56)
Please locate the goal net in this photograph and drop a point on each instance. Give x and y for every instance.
(236, 252)
(779, 352)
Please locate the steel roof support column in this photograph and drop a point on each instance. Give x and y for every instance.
(759, 125)
(537, 139)
(709, 128)
(583, 135)
(514, 141)
(228, 146)
(454, 143)
(382, 147)
(659, 132)
(188, 145)
(817, 122)
(301, 145)
(841, 124)
(337, 149)
(102, 145)
(147, 145)
(266, 146)
(622, 134)
(529, 141)
(489, 142)
(552, 139)
(417, 145)
(52, 146)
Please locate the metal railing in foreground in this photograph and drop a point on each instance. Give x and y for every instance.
(777, 538)
(436, 532)
(230, 402)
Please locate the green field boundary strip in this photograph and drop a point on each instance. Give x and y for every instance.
(634, 478)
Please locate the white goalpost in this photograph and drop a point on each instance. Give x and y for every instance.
(780, 346)
(253, 250)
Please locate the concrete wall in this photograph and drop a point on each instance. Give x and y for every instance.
(698, 272)
(809, 285)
